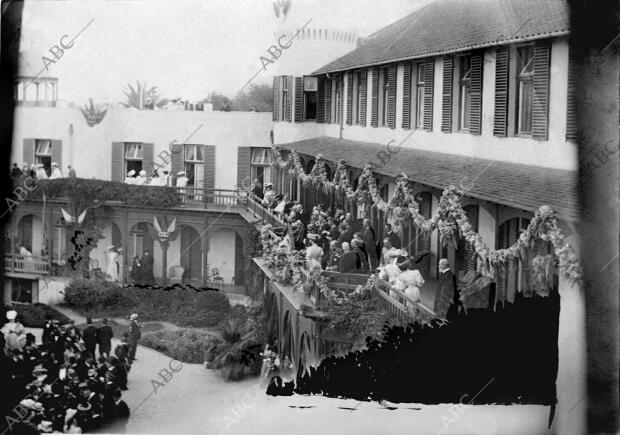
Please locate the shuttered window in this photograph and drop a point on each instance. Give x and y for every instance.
(525, 88)
(328, 100)
(419, 98)
(361, 100)
(243, 168)
(118, 173)
(383, 97)
(540, 106)
(299, 98)
(349, 98)
(320, 106)
(209, 167)
(29, 148)
(475, 102)
(446, 95)
(374, 99)
(500, 116)
(276, 99)
(391, 97)
(571, 107)
(407, 96)
(429, 68)
(148, 151)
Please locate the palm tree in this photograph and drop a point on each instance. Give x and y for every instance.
(237, 354)
(142, 97)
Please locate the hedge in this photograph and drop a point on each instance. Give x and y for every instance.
(102, 190)
(179, 305)
(186, 345)
(33, 315)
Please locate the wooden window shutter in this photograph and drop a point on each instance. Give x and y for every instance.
(391, 100)
(571, 103)
(446, 95)
(29, 145)
(118, 168)
(299, 98)
(276, 99)
(289, 106)
(540, 105)
(178, 160)
(407, 96)
(429, 71)
(208, 154)
(57, 152)
(374, 99)
(147, 158)
(340, 91)
(243, 168)
(349, 98)
(328, 100)
(500, 116)
(320, 101)
(363, 92)
(475, 100)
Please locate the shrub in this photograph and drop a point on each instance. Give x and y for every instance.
(187, 345)
(179, 305)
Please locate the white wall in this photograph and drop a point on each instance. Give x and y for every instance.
(552, 153)
(89, 149)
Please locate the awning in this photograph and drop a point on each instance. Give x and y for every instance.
(522, 187)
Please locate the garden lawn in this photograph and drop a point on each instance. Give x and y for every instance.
(186, 345)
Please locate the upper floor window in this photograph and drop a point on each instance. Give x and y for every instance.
(338, 100)
(260, 167)
(525, 88)
(133, 157)
(194, 165)
(419, 97)
(464, 92)
(384, 96)
(311, 86)
(358, 97)
(43, 153)
(193, 153)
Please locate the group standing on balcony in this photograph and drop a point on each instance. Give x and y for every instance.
(37, 171)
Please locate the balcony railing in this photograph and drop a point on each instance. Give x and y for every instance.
(211, 198)
(255, 206)
(26, 264)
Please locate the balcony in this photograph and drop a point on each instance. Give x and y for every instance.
(31, 265)
(254, 205)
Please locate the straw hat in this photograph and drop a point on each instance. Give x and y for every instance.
(131, 173)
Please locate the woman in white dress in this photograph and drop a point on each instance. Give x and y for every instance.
(112, 266)
(314, 253)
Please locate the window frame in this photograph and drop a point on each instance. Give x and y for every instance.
(464, 85)
(284, 98)
(520, 79)
(357, 84)
(384, 85)
(419, 87)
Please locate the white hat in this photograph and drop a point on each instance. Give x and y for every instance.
(11, 314)
(54, 164)
(142, 173)
(181, 173)
(131, 173)
(133, 316)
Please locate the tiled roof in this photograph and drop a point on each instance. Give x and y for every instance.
(446, 26)
(523, 187)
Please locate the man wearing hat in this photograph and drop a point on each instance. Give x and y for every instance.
(89, 335)
(56, 173)
(135, 332)
(130, 179)
(104, 338)
(182, 181)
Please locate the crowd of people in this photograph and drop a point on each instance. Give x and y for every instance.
(61, 385)
(39, 172)
(334, 241)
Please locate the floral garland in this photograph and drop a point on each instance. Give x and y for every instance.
(450, 219)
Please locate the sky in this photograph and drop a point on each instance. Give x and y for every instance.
(187, 48)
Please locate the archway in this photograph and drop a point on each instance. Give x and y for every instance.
(191, 254)
(139, 240)
(221, 259)
(414, 240)
(306, 357)
(286, 341)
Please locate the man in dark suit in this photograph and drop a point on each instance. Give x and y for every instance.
(370, 243)
(135, 332)
(447, 293)
(104, 338)
(349, 261)
(394, 239)
(147, 267)
(89, 335)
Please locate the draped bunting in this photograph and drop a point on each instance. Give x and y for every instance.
(450, 219)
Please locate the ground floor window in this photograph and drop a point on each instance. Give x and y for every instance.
(21, 290)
